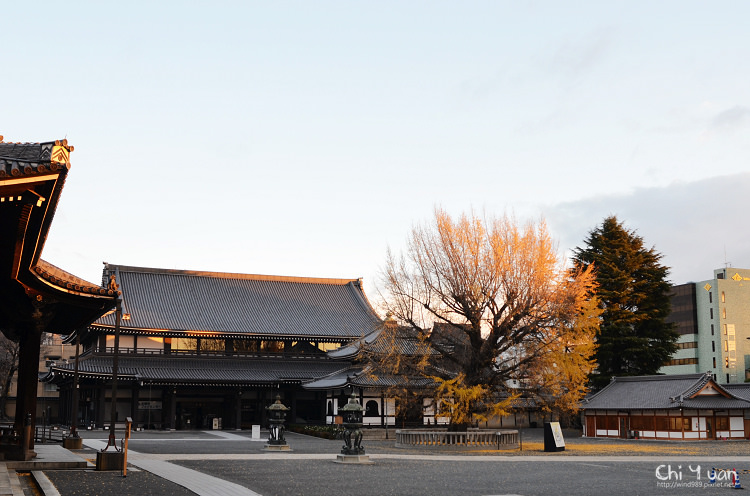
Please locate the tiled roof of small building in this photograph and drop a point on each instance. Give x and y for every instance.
(661, 392)
(242, 304)
(209, 370)
(364, 377)
(386, 339)
(739, 390)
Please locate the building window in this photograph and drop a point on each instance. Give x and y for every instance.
(680, 424)
(245, 346)
(642, 423)
(606, 422)
(711, 313)
(724, 313)
(723, 297)
(713, 346)
(185, 345)
(688, 345)
(683, 361)
(661, 423)
(712, 329)
(710, 297)
(714, 365)
(272, 346)
(722, 423)
(210, 345)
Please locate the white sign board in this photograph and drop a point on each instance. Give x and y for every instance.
(557, 434)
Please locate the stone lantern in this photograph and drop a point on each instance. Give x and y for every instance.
(352, 451)
(276, 417)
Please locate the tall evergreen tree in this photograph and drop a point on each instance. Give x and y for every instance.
(633, 293)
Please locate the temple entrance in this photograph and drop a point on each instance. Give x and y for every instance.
(199, 414)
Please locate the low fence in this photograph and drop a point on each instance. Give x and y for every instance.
(46, 434)
(433, 438)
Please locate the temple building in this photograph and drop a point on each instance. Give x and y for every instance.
(676, 407)
(211, 350)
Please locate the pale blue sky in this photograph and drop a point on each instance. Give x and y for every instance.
(304, 138)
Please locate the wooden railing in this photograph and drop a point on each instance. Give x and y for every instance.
(434, 438)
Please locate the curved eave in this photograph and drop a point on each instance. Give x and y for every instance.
(59, 280)
(65, 373)
(187, 333)
(32, 176)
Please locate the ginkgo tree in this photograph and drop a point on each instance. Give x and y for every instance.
(498, 312)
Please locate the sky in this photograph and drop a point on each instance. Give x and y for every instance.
(307, 138)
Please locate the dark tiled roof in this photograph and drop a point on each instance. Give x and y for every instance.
(25, 159)
(661, 392)
(385, 340)
(739, 390)
(363, 377)
(212, 370)
(224, 303)
(385, 381)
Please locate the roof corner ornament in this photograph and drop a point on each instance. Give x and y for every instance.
(112, 286)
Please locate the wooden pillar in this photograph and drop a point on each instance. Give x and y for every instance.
(263, 406)
(100, 402)
(28, 377)
(293, 401)
(135, 396)
(383, 420)
(171, 421)
(238, 412)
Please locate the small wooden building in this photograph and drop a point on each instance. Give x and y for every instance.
(680, 407)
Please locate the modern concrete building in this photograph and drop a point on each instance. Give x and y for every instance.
(713, 320)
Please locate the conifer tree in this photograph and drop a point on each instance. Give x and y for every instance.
(633, 292)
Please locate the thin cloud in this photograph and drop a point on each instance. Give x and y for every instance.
(697, 226)
(734, 117)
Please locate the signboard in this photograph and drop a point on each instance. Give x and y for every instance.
(553, 437)
(149, 405)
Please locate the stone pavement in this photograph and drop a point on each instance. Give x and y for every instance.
(197, 482)
(227, 463)
(9, 483)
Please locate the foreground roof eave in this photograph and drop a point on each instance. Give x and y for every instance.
(32, 176)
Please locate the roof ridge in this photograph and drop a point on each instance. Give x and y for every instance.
(665, 377)
(231, 275)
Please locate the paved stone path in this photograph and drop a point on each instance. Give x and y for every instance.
(203, 463)
(201, 484)
(9, 484)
